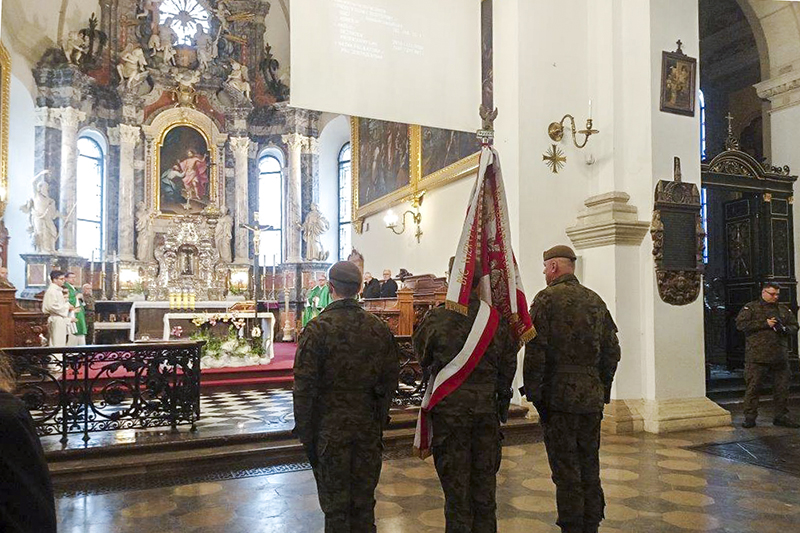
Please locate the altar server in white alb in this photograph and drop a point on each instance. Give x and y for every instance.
(57, 309)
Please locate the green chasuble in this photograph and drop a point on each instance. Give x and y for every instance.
(80, 314)
(318, 299)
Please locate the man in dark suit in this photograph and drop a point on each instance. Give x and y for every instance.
(388, 285)
(372, 287)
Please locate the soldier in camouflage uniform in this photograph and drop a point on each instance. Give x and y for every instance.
(567, 372)
(345, 376)
(466, 424)
(767, 326)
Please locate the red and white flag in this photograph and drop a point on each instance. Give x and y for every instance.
(484, 250)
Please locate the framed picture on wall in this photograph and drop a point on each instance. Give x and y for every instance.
(678, 82)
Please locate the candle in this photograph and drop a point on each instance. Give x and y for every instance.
(590, 109)
(91, 271)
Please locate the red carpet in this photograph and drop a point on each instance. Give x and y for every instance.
(278, 373)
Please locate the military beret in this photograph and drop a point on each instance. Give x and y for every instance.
(559, 251)
(345, 272)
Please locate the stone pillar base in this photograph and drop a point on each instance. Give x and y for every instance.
(663, 416)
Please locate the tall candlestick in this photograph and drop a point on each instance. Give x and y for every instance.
(91, 271)
(274, 296)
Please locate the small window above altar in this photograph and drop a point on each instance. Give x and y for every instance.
(184, 16)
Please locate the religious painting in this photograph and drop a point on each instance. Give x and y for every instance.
(391, 162)
(446, 154)
(382, 159)
(184, 169)
(678, 82)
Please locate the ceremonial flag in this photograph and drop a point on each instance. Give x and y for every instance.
(484, 250)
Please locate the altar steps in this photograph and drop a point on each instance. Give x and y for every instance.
(131, 466)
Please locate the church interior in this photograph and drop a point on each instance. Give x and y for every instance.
(170, 158)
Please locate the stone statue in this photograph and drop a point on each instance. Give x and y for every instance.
(205, 47)
(166, 38)
(132, 67)
(42, 212)
(313, 227)
(146, 233)
(75, 46)
(223, 233)
(239, 78)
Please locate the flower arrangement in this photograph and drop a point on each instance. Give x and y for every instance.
(138, 287)
(234, 344)
(177, 332)
(236, 290)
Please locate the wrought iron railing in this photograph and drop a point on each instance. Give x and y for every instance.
(83, 389)
(411, 385)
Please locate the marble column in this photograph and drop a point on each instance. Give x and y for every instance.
(291, 222)
(69, 118)
(128, 137)
(240, 146)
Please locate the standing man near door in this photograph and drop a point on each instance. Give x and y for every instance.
(568, 370)
(767, 326)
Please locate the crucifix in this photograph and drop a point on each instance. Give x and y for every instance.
(256, 228)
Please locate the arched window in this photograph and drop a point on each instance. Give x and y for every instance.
(184, 16)
(89, 209)
(345, 203)
(270, 202)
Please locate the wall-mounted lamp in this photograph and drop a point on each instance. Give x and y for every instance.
(556, 130)
(391, 218)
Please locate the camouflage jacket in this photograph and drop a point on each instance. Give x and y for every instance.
(571, 363)
(440, 337)
(345, 374)
(762, 343)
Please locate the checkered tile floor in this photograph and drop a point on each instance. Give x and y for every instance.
(244, 409)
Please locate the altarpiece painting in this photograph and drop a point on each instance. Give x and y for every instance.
(184, 177)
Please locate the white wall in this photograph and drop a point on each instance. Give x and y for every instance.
(334, 135)
(784, 133)
(443, 212)
(20, 173)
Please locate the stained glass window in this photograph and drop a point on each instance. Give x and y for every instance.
(184, 16)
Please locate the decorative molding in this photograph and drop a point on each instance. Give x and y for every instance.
(69, 118)
(782, 91)
(240, 146)
(112, 134)
(129, 135)
(608, 220)
(312, 145)
(293, 141)
(663, 416)
(44, 117)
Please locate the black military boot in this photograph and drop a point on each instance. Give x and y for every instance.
(785, 422)
(749, 423)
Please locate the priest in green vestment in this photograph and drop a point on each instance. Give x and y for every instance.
(318, 299)
(75, 297)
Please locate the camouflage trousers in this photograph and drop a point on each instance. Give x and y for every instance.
(573, 443)
(466, 453)
(755, 375)
(347, 474)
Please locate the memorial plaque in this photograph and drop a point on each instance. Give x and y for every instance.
(680, 240)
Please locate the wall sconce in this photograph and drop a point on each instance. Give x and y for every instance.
(556, 130)
(391, 218)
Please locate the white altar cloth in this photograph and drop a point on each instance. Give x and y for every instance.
(267, 325)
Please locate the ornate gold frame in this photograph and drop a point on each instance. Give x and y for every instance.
(417, 182)
(155, 134)
(5, 92)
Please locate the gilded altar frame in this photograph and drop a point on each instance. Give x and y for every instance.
(5, 92)
(155, 135)
(417, 182)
